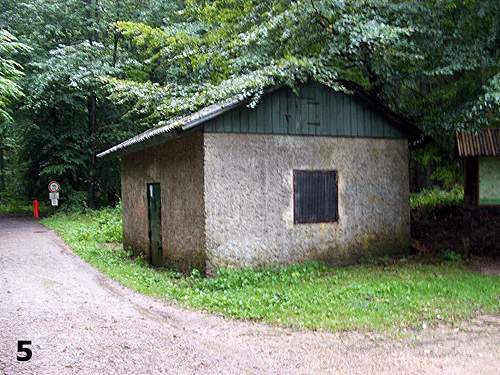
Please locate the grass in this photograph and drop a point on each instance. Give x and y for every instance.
(436, 197)
(380, 298)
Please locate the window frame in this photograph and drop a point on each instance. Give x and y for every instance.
(301, 220)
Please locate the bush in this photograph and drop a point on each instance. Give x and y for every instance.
(109, 223)
(432, 198)
(11, 204)
(451, 256)
(74, 201)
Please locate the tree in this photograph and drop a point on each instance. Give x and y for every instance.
(10, 73)
(10, 91)
(419, 57)
(65, 118)
(104, 70)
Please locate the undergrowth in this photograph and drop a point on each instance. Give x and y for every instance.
(431, 198)
(391, 297)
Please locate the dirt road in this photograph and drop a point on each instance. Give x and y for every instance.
(80, 322)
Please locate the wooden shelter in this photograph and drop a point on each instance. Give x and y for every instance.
(481, 154)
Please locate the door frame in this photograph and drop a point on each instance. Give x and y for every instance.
(149, 185)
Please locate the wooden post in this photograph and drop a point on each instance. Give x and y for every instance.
(36, 209)
(471, 197)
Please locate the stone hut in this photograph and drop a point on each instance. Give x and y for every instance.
(317, 175)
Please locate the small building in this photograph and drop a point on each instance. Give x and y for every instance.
(321, 175)
(481, 155)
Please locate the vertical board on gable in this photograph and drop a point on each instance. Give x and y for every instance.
(244, 120)
(236, 119)
(252, 120)
(276, 113)
(283, 112)
(262, 126)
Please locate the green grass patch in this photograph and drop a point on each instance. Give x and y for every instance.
(432, 198)
(370, 297)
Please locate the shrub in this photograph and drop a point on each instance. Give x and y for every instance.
(432, 198)
(74, 201)
(11, 204)
(451, 256)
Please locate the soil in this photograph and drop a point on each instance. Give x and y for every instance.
(441, 229)
(81, 322)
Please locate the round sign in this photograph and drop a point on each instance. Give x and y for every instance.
(54, 186)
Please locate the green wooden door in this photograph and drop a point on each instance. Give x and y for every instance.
(154, 215)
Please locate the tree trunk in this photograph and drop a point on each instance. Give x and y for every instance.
(92, 113)
(116, 35)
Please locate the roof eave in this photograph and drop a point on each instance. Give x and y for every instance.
(169, 132)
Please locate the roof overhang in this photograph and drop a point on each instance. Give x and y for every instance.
(180, 125)
(174, 128)
(485, 142)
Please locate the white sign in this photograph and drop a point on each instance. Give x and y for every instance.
(54, 186)
(55, 202)
(53, 196)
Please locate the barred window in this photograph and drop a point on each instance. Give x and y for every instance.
(315, 196)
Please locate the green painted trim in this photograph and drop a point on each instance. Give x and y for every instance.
(489, 202)
(489, 181)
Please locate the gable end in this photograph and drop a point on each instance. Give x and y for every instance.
(317, 111)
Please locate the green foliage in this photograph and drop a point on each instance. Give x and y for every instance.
(14, 205)
(238, 48)
(431, 198)
(10, 73)
(390, 298)
(73, 46)
(435, 62)
(103, 226)
(447, 170)
(73, 201)
(448, 175)
(451, 256)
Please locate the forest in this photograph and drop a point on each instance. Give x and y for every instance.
(79, 76)
(300, 203)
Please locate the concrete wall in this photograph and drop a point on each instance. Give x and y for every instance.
(178, 167)
(249, 198)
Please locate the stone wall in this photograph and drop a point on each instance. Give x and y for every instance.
(178, 167)
(249, 198)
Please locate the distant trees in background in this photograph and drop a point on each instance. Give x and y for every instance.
(101, 71)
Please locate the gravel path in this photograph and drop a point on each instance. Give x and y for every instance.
(81, 322)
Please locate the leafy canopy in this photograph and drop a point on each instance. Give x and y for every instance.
(10, 73)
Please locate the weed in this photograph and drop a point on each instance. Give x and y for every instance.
(387, 297)
(432, 198)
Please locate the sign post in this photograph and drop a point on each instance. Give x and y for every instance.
(54, 188)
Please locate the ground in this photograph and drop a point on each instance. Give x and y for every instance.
(82, 322)
(435, 230)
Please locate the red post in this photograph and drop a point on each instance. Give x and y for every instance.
(36, 209)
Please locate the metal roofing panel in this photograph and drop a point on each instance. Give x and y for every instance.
(482, 143)
(173, 128)
(183, 123)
